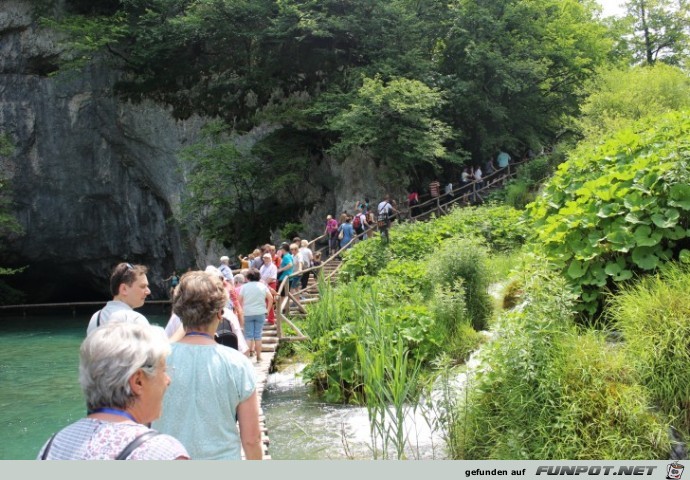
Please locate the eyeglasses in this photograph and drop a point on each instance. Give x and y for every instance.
(129, 266)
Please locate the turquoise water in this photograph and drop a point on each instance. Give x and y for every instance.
(39, 379)
(40, 394)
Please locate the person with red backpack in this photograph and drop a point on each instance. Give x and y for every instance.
(360, 224)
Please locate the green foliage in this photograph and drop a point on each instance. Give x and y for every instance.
(464, 260)
(222, 186)
(451, 317)
(503, 61)
(230, 197)
(393, 121)
(619, 97)
(654, 318)
(617, 209)
(523, 189)
(402, 280)
(291, 230)
(545, 392)
(86, 37)
(501, 229)
(389, 380)
(335, 369)
(428, 286)
(365, 259)
(518, 193)
(441, 79)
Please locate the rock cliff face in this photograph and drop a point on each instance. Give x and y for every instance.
(95, 180)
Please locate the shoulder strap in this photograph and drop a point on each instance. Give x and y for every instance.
(98, 319)
(135, 443)
(45, 452)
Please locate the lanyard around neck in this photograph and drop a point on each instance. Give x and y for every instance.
(198, 334)
(113, 411)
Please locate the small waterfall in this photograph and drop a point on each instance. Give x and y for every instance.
(303, 427)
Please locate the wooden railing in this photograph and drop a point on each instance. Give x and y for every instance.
(439, 205)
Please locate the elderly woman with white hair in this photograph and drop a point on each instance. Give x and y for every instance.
(213, 406)
(122, 372)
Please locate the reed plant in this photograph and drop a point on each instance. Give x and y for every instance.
(654, 319)
(323, 316)
(389, 376)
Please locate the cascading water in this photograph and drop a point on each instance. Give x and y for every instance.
(300, 426)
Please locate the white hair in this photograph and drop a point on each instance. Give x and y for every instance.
(111, 354)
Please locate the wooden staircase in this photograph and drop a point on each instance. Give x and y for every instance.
(269, 338)
(293, 305)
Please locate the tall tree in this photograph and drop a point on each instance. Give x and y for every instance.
(658, 30)
(515, 67)
(395, 123)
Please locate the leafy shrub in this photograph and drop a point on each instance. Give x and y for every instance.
(448, 307)
(523, 189)
(538, 169)
(518, 193)
(622, 96)
(335, 369)
(543, 392)
(464, 259)
(364, 259)
(501, 227)
(403, 281)
(619, 208)
(654, 318)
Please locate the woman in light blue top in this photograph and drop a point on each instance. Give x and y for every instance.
(215, 386)
(347, 230)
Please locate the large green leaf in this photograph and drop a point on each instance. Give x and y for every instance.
(577, 269)
(645, 258)
(645, 237)
(680, 196)
(668, 219)
(637, 218)
(684, 256)
(622, 240)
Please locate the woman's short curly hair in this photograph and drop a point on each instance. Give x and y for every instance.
(198, 297)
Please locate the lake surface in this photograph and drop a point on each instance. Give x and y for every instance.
(39, 378)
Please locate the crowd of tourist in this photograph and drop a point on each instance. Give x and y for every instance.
(471, 175)
(155, 394)
(189, 390)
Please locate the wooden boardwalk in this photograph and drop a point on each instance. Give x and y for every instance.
(263, 368)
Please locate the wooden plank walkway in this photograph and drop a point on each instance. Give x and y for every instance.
(269, 346)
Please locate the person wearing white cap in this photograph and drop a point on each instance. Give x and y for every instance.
(225, 267)
(268, 271)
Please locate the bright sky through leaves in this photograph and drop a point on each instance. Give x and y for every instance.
(612, 7)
